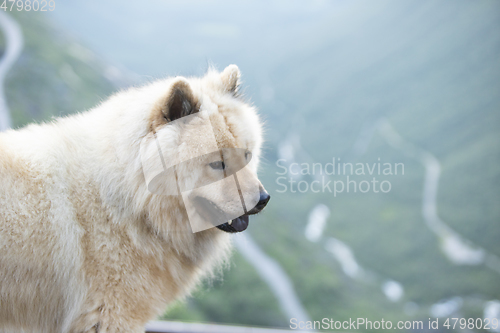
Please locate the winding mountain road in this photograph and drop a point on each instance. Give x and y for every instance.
(13, 46)
(274, 276)
(457, 249)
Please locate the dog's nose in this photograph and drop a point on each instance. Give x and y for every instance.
(264, 199)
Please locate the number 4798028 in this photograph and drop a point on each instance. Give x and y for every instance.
(471, 323)
(28, 5)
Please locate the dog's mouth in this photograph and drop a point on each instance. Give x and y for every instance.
(238, 224)
(212, 213)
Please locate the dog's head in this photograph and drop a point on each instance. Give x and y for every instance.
(204, 146)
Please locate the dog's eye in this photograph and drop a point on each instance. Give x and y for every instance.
(219, 165)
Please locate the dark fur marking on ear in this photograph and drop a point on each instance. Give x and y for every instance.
(178, 101)
(181, 101)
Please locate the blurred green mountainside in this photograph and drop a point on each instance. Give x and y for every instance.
(54, 75)
(432, 70)
(440, 90)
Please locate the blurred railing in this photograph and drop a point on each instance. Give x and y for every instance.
(179, 327)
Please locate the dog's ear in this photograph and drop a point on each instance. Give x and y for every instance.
(180, 101)
(231, 79)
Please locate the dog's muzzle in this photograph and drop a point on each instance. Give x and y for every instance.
(240, 224)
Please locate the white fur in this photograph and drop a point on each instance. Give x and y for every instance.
(84, 246)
